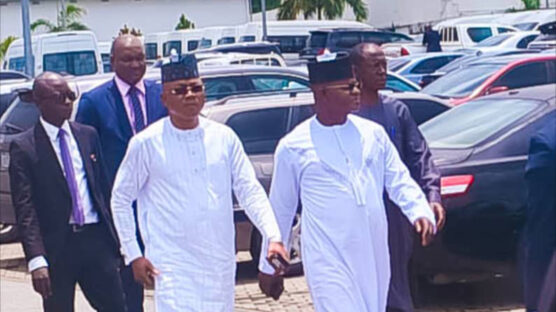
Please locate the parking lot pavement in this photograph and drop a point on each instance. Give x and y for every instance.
(17, 295)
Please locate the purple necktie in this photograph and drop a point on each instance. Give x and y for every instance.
(77, 209)
(137, 111)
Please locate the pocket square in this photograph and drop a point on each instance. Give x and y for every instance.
(94, 157)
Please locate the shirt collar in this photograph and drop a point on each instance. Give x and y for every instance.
(123, 87)
(52, 131)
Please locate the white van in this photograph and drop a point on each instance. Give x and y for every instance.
(74, 52)
(154, 45)
(291, 36)
(216, 35)
(182, 41)
(104, 48)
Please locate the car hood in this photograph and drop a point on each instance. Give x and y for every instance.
(445, 157)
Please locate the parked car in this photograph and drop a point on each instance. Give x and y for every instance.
(423, 107)
(453, 36)
(492, 75)
(415, 66)
(259, 47)
(226, 59)
(481, 149)
(344, 39)
(10, 75)
(506, 41)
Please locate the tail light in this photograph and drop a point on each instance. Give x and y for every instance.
(455, 185)
(323, 51)
(404, 51)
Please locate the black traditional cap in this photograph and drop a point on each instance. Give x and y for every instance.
(330, 67)
(179, 68)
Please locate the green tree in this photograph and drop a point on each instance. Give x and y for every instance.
(184, 23)
(4, 46)
(68, 19)
(531, 4)
(130, 31)
(328, 9)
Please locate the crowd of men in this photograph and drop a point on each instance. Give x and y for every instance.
(138, 191)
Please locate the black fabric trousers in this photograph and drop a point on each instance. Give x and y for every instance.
(90, 259)
(400, 243)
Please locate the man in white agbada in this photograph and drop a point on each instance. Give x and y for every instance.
(339, 164)
(181, 170)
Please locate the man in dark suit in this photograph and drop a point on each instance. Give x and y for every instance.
(60, 193)
(118, 110)
(540, 228)
(370, 67)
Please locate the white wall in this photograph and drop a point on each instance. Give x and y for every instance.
(106, 18)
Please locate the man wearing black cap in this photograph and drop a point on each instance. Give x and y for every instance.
(337, 165)
(182, 170)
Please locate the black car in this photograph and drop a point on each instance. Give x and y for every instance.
(344, 39)
(481, 149)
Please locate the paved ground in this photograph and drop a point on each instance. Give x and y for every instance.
(17, 295)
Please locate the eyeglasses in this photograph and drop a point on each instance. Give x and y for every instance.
(349, 87)
(185, 89)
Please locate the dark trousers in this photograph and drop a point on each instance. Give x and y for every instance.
(133, 290)
(400, 243)
(90, 259)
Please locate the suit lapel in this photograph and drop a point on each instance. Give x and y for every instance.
(123, 120)
(48, 161)
(151, 101)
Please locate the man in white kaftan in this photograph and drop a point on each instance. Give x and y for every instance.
(182, 177)
(339, 171)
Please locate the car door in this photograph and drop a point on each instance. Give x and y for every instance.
(423, 110)
(427, 66)
(521, 76)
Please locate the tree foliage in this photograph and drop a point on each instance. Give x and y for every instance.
(328, 9)
(184, 23)
(67, 20)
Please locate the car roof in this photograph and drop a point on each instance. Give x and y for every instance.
(341, 29)
(506, 59)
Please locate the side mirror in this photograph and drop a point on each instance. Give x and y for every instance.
(496, 89)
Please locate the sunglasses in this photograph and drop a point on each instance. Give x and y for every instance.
(349, 87)
(185, 89)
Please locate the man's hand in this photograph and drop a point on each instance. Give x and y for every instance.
(426, 229)
(439, 214)
(271, 285)
(41, 282)
(278, 248)
(144, 272)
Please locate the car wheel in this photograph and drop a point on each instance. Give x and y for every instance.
(296, 265)
(8, 233)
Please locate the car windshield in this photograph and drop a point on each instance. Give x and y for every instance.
(151, 51)
(75, 63)
(318, 39)
(467, 125)
(461, 82)
(493, 41)
(525, 26)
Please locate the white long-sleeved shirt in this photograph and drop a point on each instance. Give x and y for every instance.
(183, 181)
(90, 214)
(339, 173)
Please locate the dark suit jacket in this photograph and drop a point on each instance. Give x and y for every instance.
(540, 228)
(40, 193)
(103, 109)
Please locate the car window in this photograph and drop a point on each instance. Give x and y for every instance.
(432, 64)
(522, 76)
(17, 64)
(397, 85)
(318, 39)
(493, 41)
(75, 63)
(19, 117)
(523, 43)
(192, 45)
(247, 39)
(525, 26)
(396, 64)
(467, 125)
(277, 83)
(226, 40)
(502, 30)
(260, 130)
(219, 87)
(478, 34)
(205, 43)
(289, 44)
(347, 39)
(461, 82)
(168, 46)
(5, 100)
(423, 110)
(302, 113)
(151, 51)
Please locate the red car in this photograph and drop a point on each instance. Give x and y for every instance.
(493, 75)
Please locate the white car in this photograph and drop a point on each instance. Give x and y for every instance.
(505, 41)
